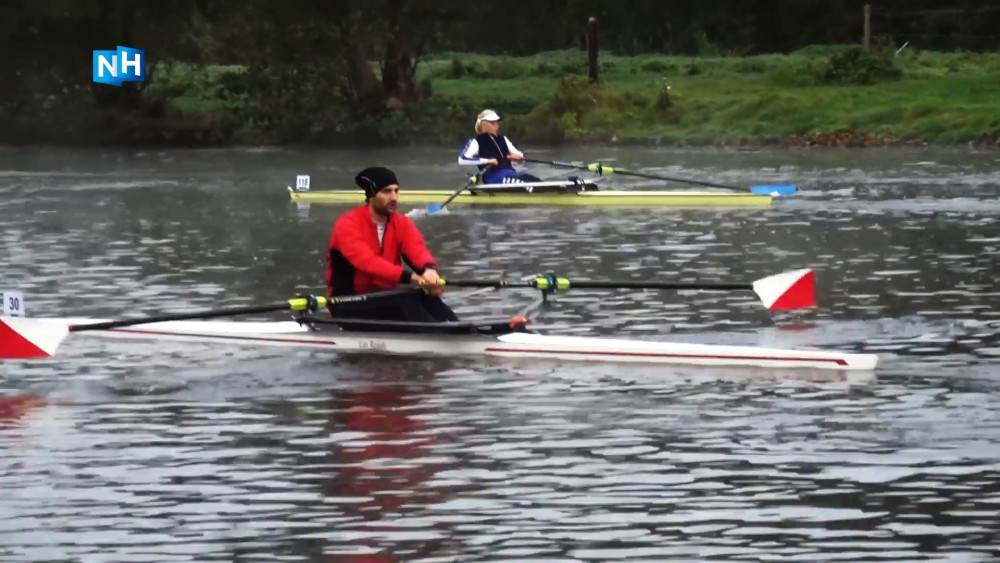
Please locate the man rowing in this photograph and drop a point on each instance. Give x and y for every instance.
(366, 251)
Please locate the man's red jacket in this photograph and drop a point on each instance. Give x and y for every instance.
(357, 263)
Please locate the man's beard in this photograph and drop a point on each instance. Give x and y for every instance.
(382, 210)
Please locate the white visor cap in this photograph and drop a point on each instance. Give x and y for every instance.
(487, 115)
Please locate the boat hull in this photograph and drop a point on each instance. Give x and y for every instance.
(514, 344)
(603, 198)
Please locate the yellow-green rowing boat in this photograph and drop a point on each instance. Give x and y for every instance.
(549, 194)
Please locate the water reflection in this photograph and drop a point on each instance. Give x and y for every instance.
(13, 408)
(381, 455)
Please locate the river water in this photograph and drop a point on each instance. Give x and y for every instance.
(157, 452)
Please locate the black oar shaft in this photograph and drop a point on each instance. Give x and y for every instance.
(601, 284)
(457, 192)
(628, 284)
(302, 303)
(230, 312)
(670, 179)
(637, 174)
(556, 163)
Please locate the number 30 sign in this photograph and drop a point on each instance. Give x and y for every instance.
(13, 304)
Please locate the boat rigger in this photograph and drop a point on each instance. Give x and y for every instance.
(32, 338)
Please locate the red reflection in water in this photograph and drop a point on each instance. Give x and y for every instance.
(13, 408)
(386, 464)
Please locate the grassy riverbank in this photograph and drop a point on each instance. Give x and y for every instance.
(825, 95)
(817, 95)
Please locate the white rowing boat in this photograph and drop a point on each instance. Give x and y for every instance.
(27, 337)
(464, 339)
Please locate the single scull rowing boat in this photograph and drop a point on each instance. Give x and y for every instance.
(550, 193)
(491, 338)
(27, 337)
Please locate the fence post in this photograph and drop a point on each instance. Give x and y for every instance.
(868, 27)
(592, 48)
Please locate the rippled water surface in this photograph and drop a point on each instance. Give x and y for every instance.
(157, 452)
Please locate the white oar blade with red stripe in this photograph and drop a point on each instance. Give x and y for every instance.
(788, 290)
(24, 338)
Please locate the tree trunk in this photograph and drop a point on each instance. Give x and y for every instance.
(366, 92)
(399, 73)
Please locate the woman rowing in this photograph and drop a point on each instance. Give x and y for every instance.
(493, 153)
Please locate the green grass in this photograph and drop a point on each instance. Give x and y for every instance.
(939, 97)
(816, 93)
